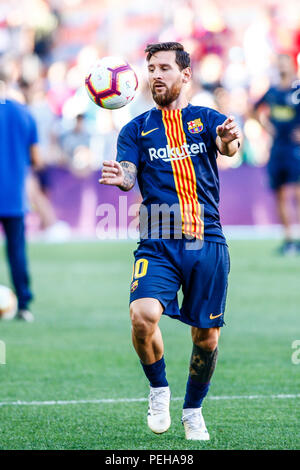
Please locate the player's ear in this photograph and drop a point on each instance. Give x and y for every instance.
(187, 74)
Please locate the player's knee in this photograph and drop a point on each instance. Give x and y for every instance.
(207, 339)
(140, 327)
(144, 319)
(208, 345)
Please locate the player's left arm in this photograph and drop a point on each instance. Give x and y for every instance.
(228, 138)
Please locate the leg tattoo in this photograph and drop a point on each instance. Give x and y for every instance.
(202, 364)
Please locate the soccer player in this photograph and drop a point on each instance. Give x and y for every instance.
(278, 111)
(171, 149)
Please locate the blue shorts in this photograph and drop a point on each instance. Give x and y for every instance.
(284, 166)
(162, 267)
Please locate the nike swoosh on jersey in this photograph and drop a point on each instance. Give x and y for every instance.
(212, 317)
(148, 132)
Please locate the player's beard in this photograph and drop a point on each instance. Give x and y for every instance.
(170, 95)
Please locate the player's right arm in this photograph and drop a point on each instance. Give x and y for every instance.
(34, 150)
(35, 157)
(121, 174)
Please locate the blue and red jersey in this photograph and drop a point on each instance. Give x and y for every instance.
(175, 154)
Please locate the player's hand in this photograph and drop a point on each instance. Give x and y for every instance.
(112, 173)
(228, 131)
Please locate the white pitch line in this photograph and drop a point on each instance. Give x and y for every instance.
(133, 400)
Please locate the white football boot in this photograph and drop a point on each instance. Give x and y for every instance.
(158, 418)
(194, 424)
(25, 315)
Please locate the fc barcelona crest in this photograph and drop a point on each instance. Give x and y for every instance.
(195, 126)
(134, 285)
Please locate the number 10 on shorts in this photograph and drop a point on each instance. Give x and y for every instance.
(140, 268)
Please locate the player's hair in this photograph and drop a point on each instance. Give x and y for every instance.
(182, 57)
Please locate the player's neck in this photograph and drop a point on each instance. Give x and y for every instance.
(286, 81)
(180, 103)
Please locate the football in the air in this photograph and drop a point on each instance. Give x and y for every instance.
(8, 303)
(111, 83)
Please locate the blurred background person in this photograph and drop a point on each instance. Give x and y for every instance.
(39, 181)
(278, 111)
(18, 149)
(75, 142)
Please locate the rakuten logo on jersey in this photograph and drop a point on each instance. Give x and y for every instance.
(176, 153)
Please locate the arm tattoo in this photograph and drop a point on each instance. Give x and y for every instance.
(130, 172)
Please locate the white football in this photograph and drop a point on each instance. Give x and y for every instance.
(8, 303)
(111, 83)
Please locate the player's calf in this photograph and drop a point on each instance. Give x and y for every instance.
(146, 336)
(202, 365)
(147, 340)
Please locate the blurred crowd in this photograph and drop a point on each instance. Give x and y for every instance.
(47, 47)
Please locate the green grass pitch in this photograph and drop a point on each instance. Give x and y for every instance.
(79, 348)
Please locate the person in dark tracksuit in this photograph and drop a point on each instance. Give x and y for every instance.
(278, 111)
(18, 150)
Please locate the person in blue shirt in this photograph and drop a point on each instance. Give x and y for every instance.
(18, 150)
(278, 111)
(172, 151)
